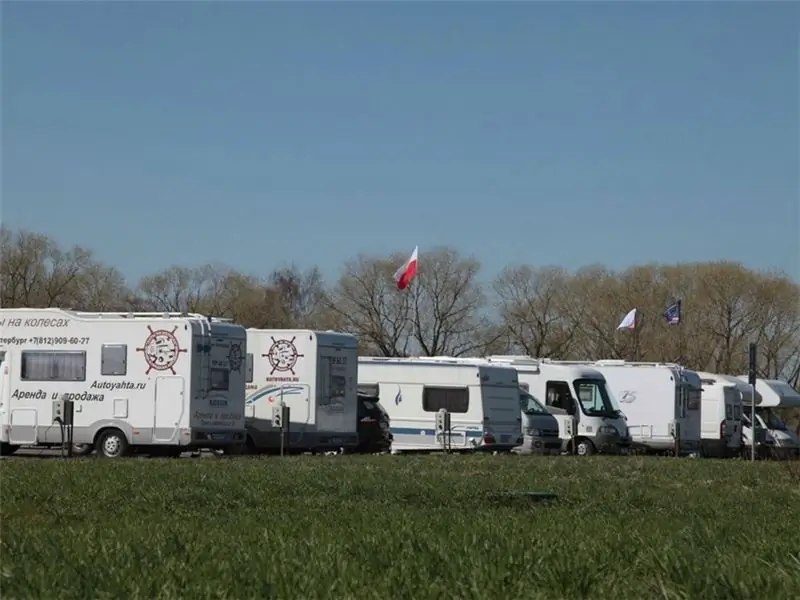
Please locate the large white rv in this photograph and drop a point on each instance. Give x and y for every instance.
(661, 402)
(721, 416)
(314, 374)
(167, 382)
(483, 402)
(589, 420)
(775, 394)
(540, 428)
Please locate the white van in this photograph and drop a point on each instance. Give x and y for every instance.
(482, 400)
(661, 402)
(164, 382)
(577, 396)
(313, 373)
(721, 416)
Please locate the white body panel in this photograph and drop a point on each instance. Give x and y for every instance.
(549, 381)
(161, 379)
(657, 400)
(482, 399)
(314, 373)
(772, 394)
(721, 415)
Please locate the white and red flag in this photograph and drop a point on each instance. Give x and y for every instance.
(406, 273)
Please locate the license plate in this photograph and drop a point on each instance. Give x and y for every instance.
(219, 436)
(336, 440)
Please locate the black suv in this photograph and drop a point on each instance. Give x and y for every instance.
(373, 426)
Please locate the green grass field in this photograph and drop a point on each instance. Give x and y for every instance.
(398, 527)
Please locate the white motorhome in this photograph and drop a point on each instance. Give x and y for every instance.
(661, 402)
(775, 394)
(721, 416)
(540, 429)
(314, 374)
(764, 440)
(482, 400)
(167, 382)
(593, 422)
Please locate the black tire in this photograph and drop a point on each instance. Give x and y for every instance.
(112, 443)
(82, 449)
(584, 448)
(7, 449)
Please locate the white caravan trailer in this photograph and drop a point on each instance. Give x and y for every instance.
(661, 402)
(165, 381)
(591, 424)
(482, 400)
(721, 416)
(775, 394)
(313, 373)
(540, 429)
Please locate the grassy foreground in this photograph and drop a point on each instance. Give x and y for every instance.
(393, 527)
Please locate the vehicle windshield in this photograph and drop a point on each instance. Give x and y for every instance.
(771, 419)
(530, 405)
(594, 398)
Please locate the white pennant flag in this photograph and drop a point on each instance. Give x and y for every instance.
(629, 322)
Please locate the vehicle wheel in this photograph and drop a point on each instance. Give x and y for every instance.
(7, 449)
(82, 449)
(112, 444)
(235, 450)
(584, 448)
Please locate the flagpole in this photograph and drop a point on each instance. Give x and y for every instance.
(680, 334)
(636, 324)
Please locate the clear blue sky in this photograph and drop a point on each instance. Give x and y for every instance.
(255, 134)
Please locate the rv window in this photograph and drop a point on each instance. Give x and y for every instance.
(737, 412)
(249, 369)
(53, 365)
(694, 399)
(454, 400)
(729, 412)
(114, 359)
(558, 396)
(219, 380)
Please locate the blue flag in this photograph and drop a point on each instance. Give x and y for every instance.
(673, 313)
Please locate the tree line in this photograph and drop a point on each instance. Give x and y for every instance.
(451, 308)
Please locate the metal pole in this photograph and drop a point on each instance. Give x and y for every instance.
(753, 419)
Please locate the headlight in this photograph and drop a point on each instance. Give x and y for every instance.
(533, 432)
(608, 430)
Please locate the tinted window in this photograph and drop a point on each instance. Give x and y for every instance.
(454, 400)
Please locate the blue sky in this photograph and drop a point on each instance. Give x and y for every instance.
(255, 134)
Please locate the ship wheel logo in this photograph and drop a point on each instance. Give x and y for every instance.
(235, 357)
(161, 350)
(283, 355)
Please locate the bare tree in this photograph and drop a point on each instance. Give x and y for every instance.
(365, 302)
(447, 306)
(301, 294)
(534, 310)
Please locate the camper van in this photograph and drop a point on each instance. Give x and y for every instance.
(661, 402)
(721, 416)
(482, 402)
(540, 429)
(160, 382)
(314, 374)
(764, 440)
(775, 394)
(589, 421)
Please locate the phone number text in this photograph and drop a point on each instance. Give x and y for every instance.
(43, 341)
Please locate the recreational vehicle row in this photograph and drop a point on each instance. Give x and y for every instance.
(170, 382)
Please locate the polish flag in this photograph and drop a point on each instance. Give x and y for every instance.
(406, 273)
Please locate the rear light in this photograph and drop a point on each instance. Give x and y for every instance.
(723, 429)
(488, 439)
